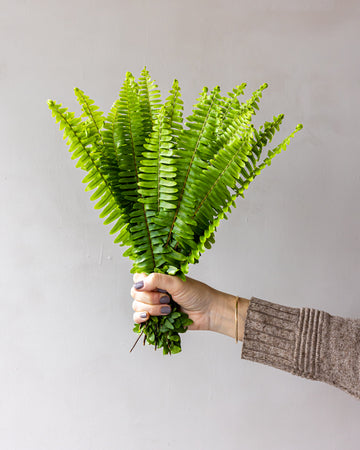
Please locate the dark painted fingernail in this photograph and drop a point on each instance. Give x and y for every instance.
(139, 285)
(143, 315)
(162, 291)
(165, 309)
(165, 299)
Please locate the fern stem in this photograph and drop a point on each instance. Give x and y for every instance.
(137, 340)
(158, 168)
(113, 137)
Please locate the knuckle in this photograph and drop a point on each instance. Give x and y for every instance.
(154, 298)
(156, 278)
(136, 318)
(153, 310)
(145, 297)
(138, 276)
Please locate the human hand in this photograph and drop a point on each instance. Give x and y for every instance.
(208, 308)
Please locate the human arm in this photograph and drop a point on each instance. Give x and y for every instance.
(305, 342)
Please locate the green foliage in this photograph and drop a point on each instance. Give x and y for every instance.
(165, 186)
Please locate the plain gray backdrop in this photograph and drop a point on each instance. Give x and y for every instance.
(67, 380)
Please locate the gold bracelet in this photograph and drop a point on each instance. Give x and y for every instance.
(237, 319)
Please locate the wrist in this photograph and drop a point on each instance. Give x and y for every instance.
(222, 315)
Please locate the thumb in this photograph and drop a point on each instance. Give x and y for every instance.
(156, 281)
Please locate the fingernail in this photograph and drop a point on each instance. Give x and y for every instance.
(162, 291)
(165, 299)
(143, 315)
(165, 309)
(139, 285)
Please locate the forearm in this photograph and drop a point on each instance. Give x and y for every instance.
(222, 315)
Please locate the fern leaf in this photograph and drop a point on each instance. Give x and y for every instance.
(235, 108)
(197, 146)
(213, 189)
(231, 107)
(159, 195)
(267, 161)
(208, 235)
(130, 145)
(159, 161)
(95, 117)
(129, 119)
(82, 147)
(174, 111)
(261, 138)
(113, 142)
(210, 187)
(149, 100)
(265, 134)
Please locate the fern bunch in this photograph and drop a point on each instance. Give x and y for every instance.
(163, 184)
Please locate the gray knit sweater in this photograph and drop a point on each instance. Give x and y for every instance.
(305, 342)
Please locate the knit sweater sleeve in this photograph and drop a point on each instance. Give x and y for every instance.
(305, 342)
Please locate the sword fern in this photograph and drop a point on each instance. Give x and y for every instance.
(166, 186)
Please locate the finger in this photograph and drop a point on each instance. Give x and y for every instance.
(161, 281)
(152, 298)
(138, 276)
(153, 310)
(140, 317)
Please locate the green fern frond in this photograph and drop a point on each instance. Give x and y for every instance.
(130, 153)
(261, 139)
(215, 184)
(95, 117)
(81, 143)
(112, 139)
(210, 188)
(159, 161)
(278, 149)
(197, 144)
(207, 239)
(234, 108)
(265, 134)
(133, 136)
(231, 107)
(149, 99)
(174, 111)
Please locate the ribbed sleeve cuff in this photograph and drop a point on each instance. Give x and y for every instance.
(284, 337)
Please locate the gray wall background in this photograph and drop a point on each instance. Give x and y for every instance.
(67, 380)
